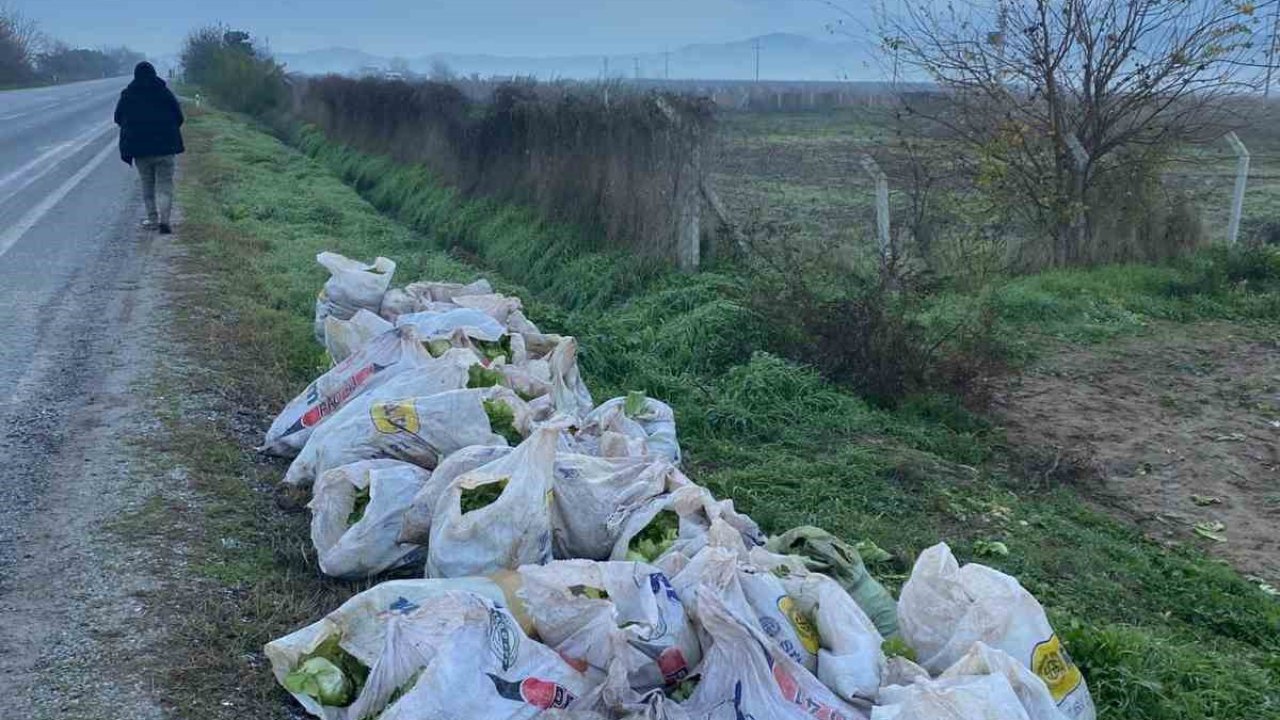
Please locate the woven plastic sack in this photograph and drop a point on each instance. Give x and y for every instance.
(846, 642)
(697, 510)
(595, 496)
(381, 359)
(496, 305)
(744, 675)
(356, 515)
(985, 683)
(944, 609)
(352, 286)
(513, 529)
(579, 606)
(634, 425)
(983, 697)
(827, 554)
(427, 292)
(359, 628)
(343, 338)
(474, 323)
(416, 523)
(418, 430)
(482, 666)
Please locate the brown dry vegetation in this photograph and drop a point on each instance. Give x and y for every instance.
(600, 157)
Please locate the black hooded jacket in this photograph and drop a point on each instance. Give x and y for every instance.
(149, 117)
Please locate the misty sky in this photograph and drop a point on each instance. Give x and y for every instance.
(419, 27)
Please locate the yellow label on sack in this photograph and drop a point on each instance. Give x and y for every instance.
(801, 622)
(395, 417)
(1052, 663)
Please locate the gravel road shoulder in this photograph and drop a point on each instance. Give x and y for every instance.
(79, 605)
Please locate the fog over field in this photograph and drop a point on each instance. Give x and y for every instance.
(800, 39)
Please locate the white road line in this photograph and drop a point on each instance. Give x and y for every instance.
(31, 110)
(42, 105)
(37, 213)
(48, 161)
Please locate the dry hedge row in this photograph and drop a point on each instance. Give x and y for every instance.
(595, 156)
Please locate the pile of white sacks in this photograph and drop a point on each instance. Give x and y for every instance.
(571, 570)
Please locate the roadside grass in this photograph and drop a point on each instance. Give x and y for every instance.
(1161, 632)
(1037, 312)
(240, 551)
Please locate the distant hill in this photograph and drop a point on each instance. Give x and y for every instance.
(782, 57)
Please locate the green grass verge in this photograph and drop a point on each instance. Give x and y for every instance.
(1106, 302)
(1161, 633)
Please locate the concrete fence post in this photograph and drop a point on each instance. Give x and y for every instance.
(722, 215)
(882, 207)
(1242, 178)
(687, 197)
(689, 204)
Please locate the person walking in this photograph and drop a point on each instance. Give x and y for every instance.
(150, 139)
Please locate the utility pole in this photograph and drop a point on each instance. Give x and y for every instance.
(1000, 37)
(637, 61)
(606, 68)
(757, 48)
(1003, 26)
(666, 64)
(1271, 53)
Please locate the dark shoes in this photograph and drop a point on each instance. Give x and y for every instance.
(166, 229)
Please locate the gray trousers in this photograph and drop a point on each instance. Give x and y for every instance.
(157, 186)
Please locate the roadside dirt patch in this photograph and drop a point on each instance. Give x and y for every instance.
(1175, 431)
(81, 609)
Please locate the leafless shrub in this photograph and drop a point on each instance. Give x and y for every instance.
(20, 42)
(862, 327)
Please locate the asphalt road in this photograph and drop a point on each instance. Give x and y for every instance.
(63, 192)
(78, 288)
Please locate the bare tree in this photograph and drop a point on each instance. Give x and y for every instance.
(1055, 95)
(20, 43)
